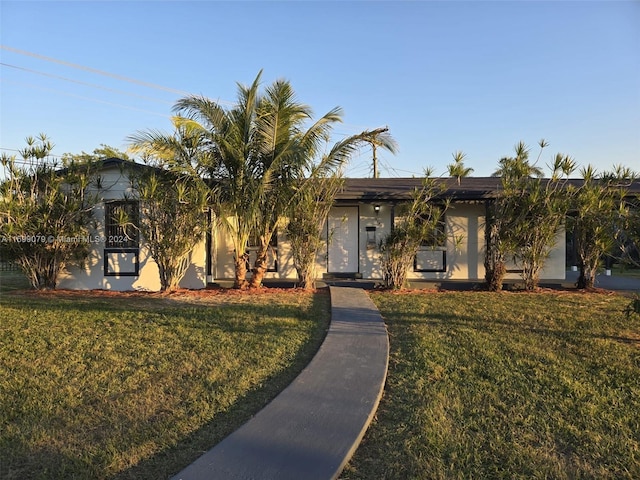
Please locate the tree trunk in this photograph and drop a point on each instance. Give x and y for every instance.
(494, 265)
(587, 277)
(530, 283)
(305, 267)
(530, 275)
(240, 263)
(494, 275)
(259, 267)
(306, 277)
(164, 281)
(42, 272)
(309, 282)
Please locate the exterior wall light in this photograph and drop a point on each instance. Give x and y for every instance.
(376, 208)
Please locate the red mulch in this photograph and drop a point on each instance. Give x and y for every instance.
(175, 294)
(214, 291)
(537, 291)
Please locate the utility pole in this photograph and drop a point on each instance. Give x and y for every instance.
(375, 161)
(374, 144)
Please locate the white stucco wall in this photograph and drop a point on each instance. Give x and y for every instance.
(115, 185)
(555, 264)
(464, 226)
(465, 247)
(223, 255)
(369, 251)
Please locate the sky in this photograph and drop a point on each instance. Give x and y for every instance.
(475, 77)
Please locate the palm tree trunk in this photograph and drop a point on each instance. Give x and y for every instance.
(240, 263)
(259, 267)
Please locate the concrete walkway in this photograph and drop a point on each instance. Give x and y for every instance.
(311, 429)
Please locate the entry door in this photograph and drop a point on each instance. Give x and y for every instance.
(342, 226)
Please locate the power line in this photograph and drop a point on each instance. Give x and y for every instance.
(390, 170)
(37, 87)
(129, 79)
(360, 168)
(111, 75)
(409, 171)
(94, 70)
(101, 72)
(92, 85)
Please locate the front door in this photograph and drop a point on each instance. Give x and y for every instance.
(342, 229)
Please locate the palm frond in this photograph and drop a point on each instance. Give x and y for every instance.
(381, 138)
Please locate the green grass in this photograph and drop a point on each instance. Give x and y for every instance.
(96, 386)
(509, 385)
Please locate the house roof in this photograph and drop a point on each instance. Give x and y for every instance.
(105, 163)
(400, 189)
(117, 162)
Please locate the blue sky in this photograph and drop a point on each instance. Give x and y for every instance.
(443, 76)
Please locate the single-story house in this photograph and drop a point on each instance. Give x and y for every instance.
(363, 213)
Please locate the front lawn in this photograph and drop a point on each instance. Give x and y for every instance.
(510, 385)
(138, 386)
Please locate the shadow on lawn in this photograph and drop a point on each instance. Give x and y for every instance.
(433, 391)
(153, 311)
(500, 326)
(50, 462)
(173, 459)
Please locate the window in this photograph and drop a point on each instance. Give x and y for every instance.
(432, 255)
(121, 252)
(272, 252)
(121, 229)
(437, 237)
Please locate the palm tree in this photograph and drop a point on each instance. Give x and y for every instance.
(292, 162)
(216, 146)
(259, 152)
(457, 168)
(231, 160)
(519, 166)
(599, 211)
(285, 148)
(510, 170)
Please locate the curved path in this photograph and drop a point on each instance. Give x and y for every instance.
(311, 429)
